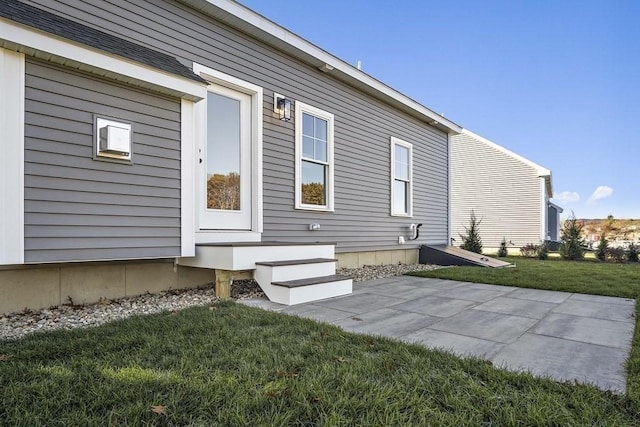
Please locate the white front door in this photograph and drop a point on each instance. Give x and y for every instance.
(224, 157)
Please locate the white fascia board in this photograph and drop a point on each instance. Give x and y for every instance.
(251, 18)
(50, 47)
(560, 209)
(11, 157)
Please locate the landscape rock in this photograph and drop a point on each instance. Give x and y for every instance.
(17, 325)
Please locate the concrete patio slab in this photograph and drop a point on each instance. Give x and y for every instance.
(569, 337)
(518, 307)
(470, 293)
(503, 289)
(316, 312)
(503, 328)
(262, 303)
(386, 322)
(359, 303)
(565, 360)
(435, 306)
(437, 283)
(407, 292)
(454, 343)
(540, 295)
(604, 299)
(376, 282)
(599, 310)
(586, 329)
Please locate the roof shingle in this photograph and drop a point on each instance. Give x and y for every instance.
(54, 24)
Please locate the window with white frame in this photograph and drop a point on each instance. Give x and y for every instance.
(314, 158)
(401, 178)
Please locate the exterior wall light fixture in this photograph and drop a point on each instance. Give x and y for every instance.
(282, 106)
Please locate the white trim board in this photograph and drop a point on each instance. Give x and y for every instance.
(11, 157)
(187, 179)
(56, 49)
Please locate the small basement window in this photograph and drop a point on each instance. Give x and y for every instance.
(112, 139)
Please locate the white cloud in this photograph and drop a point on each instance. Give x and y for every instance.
(567, 197)
(602, 192)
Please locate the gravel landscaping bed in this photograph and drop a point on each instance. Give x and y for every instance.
(372, 272)
(16, 325)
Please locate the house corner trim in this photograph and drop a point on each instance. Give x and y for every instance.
(12, 82)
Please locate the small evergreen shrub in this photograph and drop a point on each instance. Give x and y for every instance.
(572, 244)
(543, 251)
(632, 254)
(471, 241)
(603, 246)
(529, 250)
(503, 251)
(616, 255)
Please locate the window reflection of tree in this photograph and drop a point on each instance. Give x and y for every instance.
(313, 194)
(223, 191)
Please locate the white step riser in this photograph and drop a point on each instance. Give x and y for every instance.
(302, 294)
(321, 291)
(245, 257)
(283, 273)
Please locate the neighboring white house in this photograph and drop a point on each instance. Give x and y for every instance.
(508, 193)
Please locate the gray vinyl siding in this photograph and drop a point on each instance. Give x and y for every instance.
(77, 208)
(363, 127)
(504, 193)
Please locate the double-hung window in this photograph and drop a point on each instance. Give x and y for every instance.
(401, 178)
(314, 158)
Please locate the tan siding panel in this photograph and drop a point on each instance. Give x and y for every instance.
(504, 193)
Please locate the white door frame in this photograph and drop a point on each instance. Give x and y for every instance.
(256, 94)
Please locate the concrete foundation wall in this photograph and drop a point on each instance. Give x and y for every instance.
(359, 259)
(36, 287)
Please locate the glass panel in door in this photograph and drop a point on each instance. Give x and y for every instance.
(223, 153)
(225, 162)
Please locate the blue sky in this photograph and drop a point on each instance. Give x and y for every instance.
(557, 82)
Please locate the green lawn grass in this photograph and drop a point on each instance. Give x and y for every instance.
(587, 277)
(234, 365)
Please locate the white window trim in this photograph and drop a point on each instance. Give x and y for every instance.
(257, 214)
(395, 141)
(305, 108)
(12, 157)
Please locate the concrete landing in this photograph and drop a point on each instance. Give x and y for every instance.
(565, 336)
